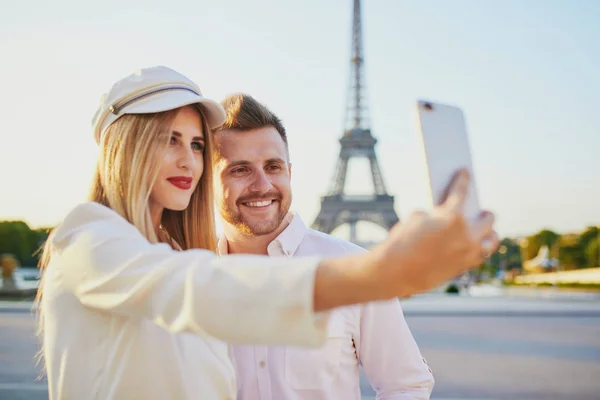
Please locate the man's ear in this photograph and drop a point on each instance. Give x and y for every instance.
(290, 170)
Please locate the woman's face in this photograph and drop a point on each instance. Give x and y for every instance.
(181, 166)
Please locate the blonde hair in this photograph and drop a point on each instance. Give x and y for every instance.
(124, 177)
(126, 174)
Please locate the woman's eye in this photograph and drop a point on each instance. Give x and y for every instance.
(198, 146)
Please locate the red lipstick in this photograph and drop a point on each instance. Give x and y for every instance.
(182, 182)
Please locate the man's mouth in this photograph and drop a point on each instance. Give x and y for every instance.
(258, 205)
(261, 203)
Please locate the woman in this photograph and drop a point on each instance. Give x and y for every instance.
(134, 303)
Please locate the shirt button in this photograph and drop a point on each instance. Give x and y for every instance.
(262, 364)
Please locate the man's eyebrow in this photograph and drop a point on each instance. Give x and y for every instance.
(275, 160)
(238, 163)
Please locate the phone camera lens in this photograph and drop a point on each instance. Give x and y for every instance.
(428, 106)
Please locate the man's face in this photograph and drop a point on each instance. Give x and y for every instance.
(252, 179)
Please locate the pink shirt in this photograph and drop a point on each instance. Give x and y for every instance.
(374, 336)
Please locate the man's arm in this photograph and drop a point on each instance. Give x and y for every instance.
(389, 354)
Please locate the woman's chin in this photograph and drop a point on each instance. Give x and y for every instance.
(177, 205)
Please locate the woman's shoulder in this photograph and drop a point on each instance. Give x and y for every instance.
(91, 212)
(91, 217)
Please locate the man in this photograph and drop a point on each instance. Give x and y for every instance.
(253, 196)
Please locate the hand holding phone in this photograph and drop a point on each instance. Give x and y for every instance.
(445, 142)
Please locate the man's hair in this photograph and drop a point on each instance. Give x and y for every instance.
(245, 113)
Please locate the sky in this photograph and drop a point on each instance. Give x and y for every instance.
(525, 73)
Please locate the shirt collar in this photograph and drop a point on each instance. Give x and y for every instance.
(222, 246)
(285, 244)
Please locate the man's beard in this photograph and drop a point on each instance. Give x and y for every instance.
(255, 227)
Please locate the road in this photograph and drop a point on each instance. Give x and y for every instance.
(478, 348)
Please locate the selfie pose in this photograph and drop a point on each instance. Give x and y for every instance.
(134, 302)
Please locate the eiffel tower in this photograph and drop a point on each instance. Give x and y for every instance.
(338, 208)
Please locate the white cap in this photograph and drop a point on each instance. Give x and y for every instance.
(152, 90)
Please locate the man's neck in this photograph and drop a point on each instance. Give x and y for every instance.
(239, 243)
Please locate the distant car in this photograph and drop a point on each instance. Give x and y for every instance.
(458, 284)
(28, 274)
(453, 287)
(25, 278)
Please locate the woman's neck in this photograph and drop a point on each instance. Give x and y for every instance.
(156, 216)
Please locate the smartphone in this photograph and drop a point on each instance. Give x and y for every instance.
(446, 148)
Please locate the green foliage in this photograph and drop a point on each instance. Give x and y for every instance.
(571, 256)
(544, 237)
(23, 242)
(572, 250)
(508, 255)
(589, 241)
(547, 238)
(485, 271)
(592, 254)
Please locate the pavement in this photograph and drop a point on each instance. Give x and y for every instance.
(480, 345)
(430, 305)
(7, 306)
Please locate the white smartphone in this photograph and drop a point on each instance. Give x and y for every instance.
(445, 143)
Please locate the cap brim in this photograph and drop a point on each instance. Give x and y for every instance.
(215, 113)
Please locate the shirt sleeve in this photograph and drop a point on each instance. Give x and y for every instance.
(389, 355)
(109, 266)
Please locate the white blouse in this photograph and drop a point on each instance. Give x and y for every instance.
(128, 319)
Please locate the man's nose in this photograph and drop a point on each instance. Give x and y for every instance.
(260, 183)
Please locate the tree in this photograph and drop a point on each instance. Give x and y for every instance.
(571, 256)
(588, 242)
(589, 235)
(592, 254)
(534, 242)
(508, 255)
(547, 238)
(18, 239)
